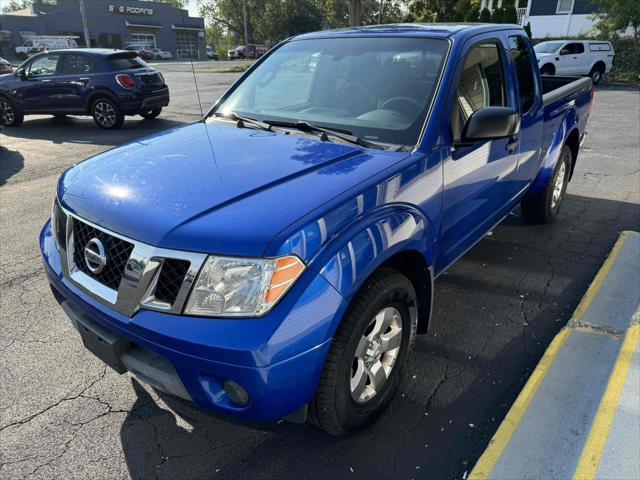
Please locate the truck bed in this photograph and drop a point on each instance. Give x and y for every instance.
(556, 87)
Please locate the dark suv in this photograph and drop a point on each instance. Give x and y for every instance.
(106, 84)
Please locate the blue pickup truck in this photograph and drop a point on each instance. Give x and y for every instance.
(277, 258)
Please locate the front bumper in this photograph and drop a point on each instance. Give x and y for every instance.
(277, 359)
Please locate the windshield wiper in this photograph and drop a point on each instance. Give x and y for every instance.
(242, 121)
(341, 134)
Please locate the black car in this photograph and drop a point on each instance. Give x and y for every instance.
(106, 84)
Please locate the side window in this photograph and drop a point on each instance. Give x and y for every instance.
(481, 84)
(573, 48)
(77, 64)
(43, 66)
(524, 71)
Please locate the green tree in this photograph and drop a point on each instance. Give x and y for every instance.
(15, 5)
(497, 15)
(485, 15)
(472, 15)
(527, 28)
(432, 10)
(617, 16)
(510, 15)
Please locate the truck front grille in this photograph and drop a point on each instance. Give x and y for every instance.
(170, 280)
(124, 274)
(117, 252)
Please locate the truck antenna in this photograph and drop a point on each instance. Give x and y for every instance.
(193, 70)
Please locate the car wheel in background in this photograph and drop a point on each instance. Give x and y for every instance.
(364, 365)
(547, 70)
(596, 74)
(543, 207)
(107, 114)
(10, 114)
(151, 113)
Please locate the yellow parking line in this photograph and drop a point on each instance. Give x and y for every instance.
(489, 459)
(600, 277)
(500, 440)
(599, 434)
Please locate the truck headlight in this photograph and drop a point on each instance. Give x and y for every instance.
(242, 287)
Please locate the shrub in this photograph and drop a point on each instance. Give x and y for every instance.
(472, 15)
(510, 15)
(497, 15)
(485, 15)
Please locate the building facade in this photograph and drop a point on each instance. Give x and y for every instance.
(111, 24)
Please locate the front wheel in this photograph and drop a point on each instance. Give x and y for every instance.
(151, 113)
(364, 365)
(107, 114)
(10, 114)
(543, 207)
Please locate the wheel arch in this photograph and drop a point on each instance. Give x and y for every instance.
(550, 65)
(95, 95)
(395, 236)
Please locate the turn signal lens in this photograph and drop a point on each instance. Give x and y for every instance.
(125, 81)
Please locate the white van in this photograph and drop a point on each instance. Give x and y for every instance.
(45, 42)
(575, 57)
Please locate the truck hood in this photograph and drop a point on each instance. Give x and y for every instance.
(214, 188)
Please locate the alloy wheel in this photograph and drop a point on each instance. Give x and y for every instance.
(558, 186)
(376, 354)
(6, 113)
(105, 114)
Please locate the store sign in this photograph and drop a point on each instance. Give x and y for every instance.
(130, 10)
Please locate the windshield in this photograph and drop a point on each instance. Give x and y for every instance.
(547, 47)
(375, 88)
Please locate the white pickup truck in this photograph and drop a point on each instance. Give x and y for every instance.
(575, 57)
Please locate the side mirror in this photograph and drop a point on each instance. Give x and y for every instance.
(21, 74)
(565, 51)
(490, 123)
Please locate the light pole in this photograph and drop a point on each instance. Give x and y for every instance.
(87, 40)
(244, 19)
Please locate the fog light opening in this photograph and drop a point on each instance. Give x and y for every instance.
(236, 393)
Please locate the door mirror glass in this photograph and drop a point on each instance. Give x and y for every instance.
(489, 123)
(21, 74)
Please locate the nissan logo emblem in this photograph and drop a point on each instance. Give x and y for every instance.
(94, 256)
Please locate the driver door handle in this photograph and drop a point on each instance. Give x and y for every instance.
(512, 143)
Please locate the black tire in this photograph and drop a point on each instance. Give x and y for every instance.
(10, 113)
(334, 408)
(547, 70)
(543, 207)
(107, 114)
(151, 113)
(597, 73)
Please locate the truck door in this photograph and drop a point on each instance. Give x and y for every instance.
(530, 107)
(76, 72)
(38, 92)
(478, 178)
(570, 59)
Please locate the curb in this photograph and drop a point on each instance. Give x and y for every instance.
(587, 332)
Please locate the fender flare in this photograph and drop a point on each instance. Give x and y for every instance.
(96, 93)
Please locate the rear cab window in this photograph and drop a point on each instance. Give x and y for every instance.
(523, 62)
(599, 47)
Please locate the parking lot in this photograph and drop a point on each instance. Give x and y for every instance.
(63, 414)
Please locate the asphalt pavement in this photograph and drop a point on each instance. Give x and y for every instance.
(63, 414)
